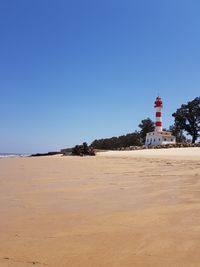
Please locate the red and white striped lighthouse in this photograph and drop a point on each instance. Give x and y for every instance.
(158, 136)
(158, 106)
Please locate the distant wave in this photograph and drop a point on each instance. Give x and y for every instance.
(11, 155)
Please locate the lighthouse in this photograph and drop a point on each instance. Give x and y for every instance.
(158, 136)
(158, 106)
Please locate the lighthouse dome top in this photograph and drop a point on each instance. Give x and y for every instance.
(158, 102)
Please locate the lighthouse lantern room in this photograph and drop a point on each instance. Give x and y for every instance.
(159, 137)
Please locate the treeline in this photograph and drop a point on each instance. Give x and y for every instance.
(132, 139)
(186, 122)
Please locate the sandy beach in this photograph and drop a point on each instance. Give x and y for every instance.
(118, 209)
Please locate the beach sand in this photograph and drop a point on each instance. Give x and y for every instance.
(118, 209)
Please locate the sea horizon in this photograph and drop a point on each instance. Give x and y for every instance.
(13, 155)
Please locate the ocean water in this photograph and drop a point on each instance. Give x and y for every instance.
(12, 155)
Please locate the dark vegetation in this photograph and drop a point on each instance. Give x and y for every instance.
(46, 154)
(132, 139)
(187, 119)
(83, 150)
(146, 126)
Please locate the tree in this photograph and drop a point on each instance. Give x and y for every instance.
(178, 133)
(187, 118)
(147, 126)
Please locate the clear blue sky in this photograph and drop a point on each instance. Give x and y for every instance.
(73, 71)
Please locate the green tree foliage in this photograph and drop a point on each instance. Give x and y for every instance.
(83, 150)
(187, 118)
(146, 126)
(132, 139)
(178, 133)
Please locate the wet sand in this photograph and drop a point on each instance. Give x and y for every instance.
(114, 210)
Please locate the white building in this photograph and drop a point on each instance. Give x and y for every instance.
(159, 137)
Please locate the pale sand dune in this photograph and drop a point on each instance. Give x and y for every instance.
(103, 211)
(180, 153)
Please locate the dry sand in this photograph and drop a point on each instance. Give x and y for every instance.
(118, 209)
(172, 153)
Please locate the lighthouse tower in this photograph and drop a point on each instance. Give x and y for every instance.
(159, 137)
(158, 106)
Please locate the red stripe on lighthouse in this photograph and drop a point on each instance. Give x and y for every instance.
(158, 114)
(158, 124)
